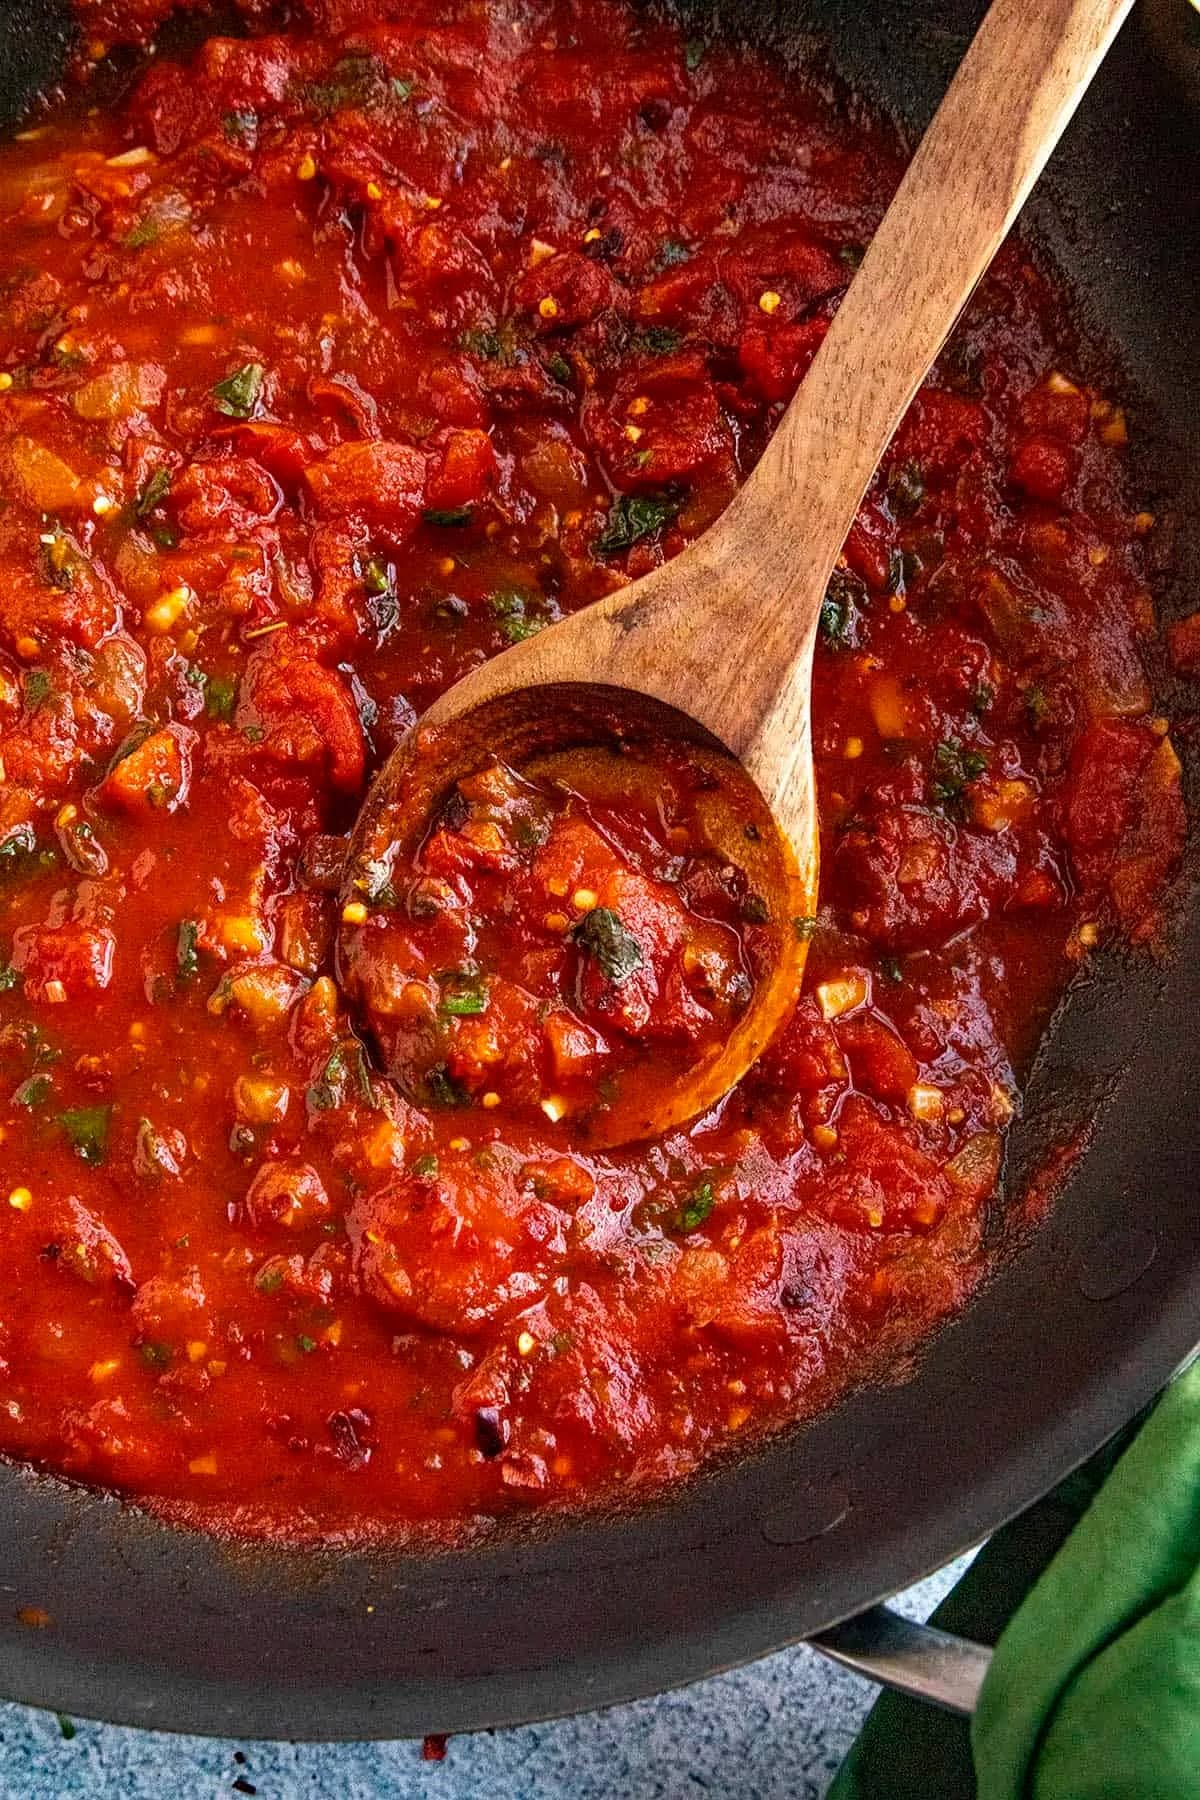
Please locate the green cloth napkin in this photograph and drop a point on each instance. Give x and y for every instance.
(1094, 1690)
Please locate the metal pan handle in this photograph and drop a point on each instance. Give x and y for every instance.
(918, 1660)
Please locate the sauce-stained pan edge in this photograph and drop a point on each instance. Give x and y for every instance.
(154, 1626)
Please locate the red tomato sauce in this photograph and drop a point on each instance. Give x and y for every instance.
(549, 946)
(332, 362)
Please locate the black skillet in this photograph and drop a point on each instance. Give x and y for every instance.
(154, 1626)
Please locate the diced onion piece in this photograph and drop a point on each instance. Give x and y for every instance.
(842, 994)
(925, 1101)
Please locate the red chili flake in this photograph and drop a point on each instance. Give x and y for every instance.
(433, 1747)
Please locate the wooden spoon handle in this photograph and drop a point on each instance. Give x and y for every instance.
(1012, 97)
(1002, 115)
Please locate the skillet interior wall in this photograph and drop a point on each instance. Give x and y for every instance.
(160, 1627)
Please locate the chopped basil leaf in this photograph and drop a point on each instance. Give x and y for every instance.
(376, 576)
(805, 928)
(154, 493)
(633, 517)
(31, 1093)
(37, 687)
(481, 342)
(442, 1089)
(954, 769)
(616, 952)
(187, 961)
(906, 487)
(1037, 706)
(239, 126)
(696, 1207)
(238, 394)
(220, 697)
(513, 609)
(670, 253)
(425, 1167)
(344, 1060)
(464, 994)
(448, 516)
(659, 340)
(840, 610)
(305, 1344)
(326, 1091)
(19, 842)
(86, 1128)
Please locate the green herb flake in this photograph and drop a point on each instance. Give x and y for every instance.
(153, 493)
(156, 1356)
(891, 968)
(449, 517)
(1037, 706)
(269, 1279)
(696, 1207)
(481, 341)
(37, 688)
(66, 1726)
(238, 394)
(442, 1090)
(9, 978)
(805, 928)
(841, 610)
(633, 517)
(906, 487)
(220, 697)
(954, 769)
(147, 231)
(425, 1167)
(615, 951)
(187, 942)
(86, 1130)
(305, 1344)
(754, 910)
(239, 127)
(20, 842)
(982, 697)
(326, 1091)
(464, 994)
(670, 254)
(512, 608)
(659, 340)
(694, 52)
(377, 576)
(33, 1092)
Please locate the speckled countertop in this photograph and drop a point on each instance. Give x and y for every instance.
(774, 1731)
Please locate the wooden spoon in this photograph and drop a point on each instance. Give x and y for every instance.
(716, 646)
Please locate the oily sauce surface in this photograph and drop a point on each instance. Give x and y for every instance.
(332, 363)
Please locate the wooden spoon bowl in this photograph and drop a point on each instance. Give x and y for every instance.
(595, 738)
